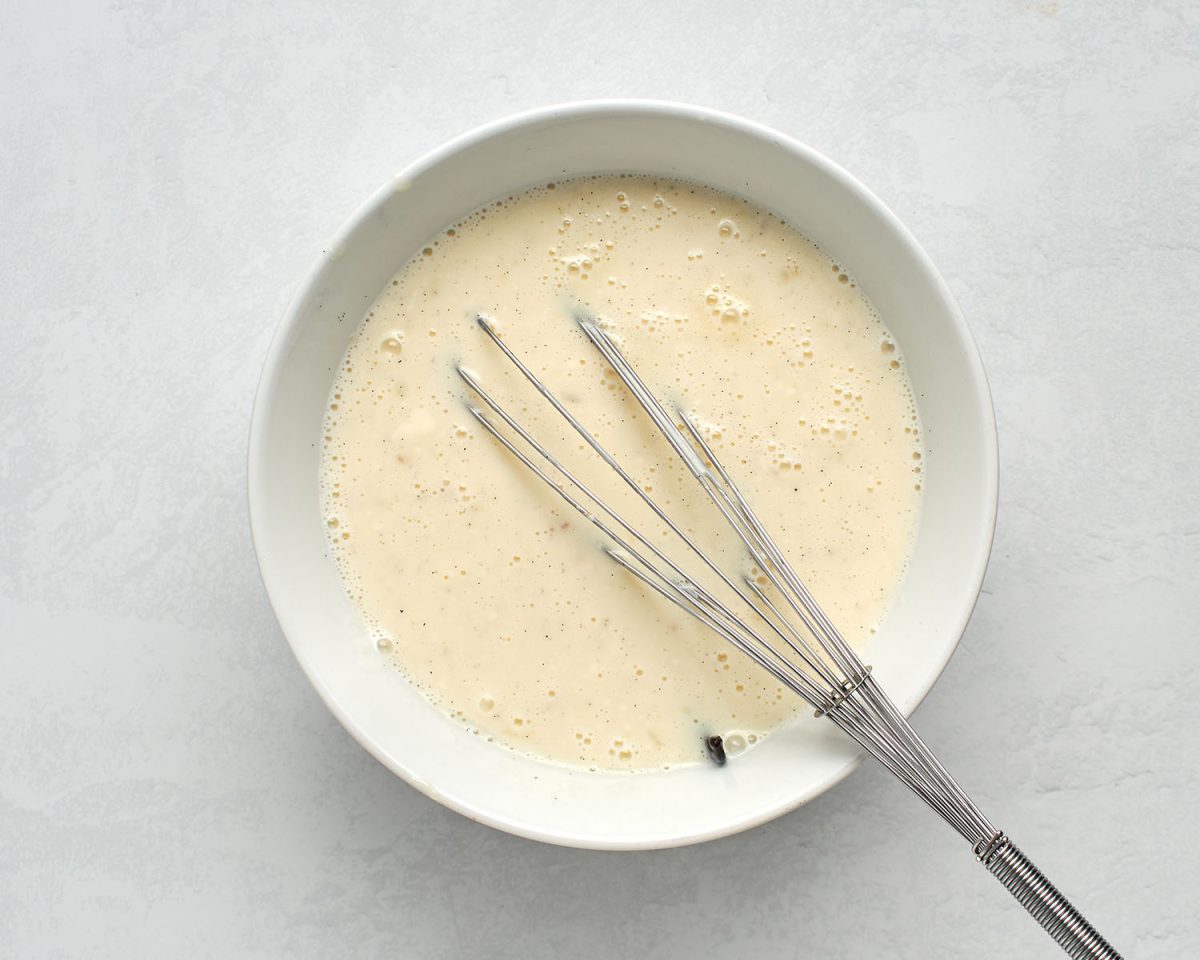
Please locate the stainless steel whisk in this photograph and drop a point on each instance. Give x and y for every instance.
(812, 659)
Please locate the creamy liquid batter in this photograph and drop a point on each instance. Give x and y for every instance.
(489, 592)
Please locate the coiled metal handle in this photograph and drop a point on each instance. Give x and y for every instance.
(1043, 901)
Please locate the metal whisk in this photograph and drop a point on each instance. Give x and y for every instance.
(790, 637)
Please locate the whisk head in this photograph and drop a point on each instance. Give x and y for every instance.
(776, 622)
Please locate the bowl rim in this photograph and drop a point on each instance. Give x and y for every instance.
(274, 363)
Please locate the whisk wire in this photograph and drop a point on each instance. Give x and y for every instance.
(929, 774)
(716, 614)
(812, 659)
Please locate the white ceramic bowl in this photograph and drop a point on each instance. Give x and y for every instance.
(392, 720)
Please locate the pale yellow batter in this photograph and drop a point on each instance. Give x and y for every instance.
(485, 589)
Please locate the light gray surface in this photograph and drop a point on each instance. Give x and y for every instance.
(169, 783)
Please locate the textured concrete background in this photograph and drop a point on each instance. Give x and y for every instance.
(170, 785)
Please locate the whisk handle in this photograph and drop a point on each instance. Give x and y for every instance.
(1045, 904)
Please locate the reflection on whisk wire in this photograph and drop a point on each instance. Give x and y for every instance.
(790, 637)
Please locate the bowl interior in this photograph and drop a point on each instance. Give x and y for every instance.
(395, 722)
